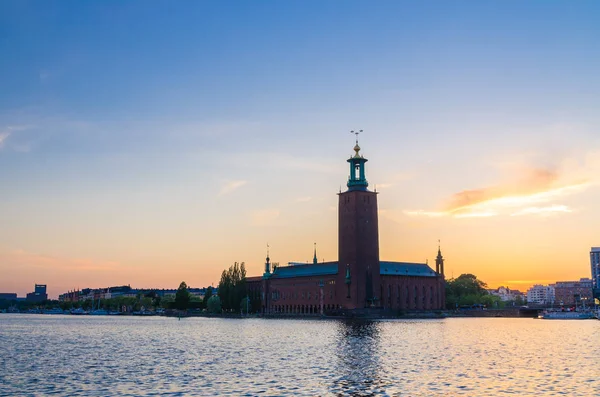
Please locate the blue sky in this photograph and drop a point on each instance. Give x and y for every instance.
(191, 133)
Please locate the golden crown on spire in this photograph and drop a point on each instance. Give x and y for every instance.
(356, 147)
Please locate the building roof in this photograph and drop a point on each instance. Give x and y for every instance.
(321, 269)
(405, 269)
(330, 268)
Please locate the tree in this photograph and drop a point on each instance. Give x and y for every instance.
(182, 297)
(232, 287)
(245, 305)
(466, 289)
(214, 304)
(207, 295)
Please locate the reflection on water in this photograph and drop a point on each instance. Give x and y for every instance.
(127, 356)
(357, 366)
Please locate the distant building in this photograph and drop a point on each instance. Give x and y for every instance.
(39, 294)
(506, 294)
(540, 294)
(595, 264)
(573, 292)
(8, 296)
(124, 291)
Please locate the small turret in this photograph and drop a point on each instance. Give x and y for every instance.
(439, 261)
(315, 256)
(267, 264)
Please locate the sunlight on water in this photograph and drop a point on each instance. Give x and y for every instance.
(128, 356)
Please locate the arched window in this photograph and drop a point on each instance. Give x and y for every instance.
(416, 297)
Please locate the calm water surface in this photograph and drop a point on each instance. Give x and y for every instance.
(129, 356)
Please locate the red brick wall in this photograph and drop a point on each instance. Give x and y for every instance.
(412, 293)
(358, 247)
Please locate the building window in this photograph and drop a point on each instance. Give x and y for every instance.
(431, 295)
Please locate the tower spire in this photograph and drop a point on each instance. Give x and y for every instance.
(315, 256)
(356, 133)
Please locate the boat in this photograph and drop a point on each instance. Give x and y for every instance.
(78, 312)
(566, 315)
(99, 312)
(144, 313)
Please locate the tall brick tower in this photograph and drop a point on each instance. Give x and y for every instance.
(358, 284)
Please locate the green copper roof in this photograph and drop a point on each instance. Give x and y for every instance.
(330, 268)
(321, 269)
(406, 269)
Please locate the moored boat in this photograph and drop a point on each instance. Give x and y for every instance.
(566, 315)
(99, 312)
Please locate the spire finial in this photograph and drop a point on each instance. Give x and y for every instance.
(356, 133)
(315, 260)
(356, 147)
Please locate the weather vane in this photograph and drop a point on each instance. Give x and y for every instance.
(356, 133)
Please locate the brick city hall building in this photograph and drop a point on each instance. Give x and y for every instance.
(359, 280)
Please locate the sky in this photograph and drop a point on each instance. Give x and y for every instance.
(149, 143)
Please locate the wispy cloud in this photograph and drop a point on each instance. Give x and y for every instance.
(230, 186)
(530, 282)
(30, 259)
(8, 131)
(3, 137)
(264, 217)
(303, 199)
(553, 209)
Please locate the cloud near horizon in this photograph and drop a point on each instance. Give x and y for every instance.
(536, 192)
(24, 258)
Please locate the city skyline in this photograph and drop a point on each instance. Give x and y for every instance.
(150, 144)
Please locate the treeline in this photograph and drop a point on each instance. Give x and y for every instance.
(468, 290)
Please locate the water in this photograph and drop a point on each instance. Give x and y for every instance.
(133, 356)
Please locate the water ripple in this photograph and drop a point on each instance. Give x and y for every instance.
(129, 356)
